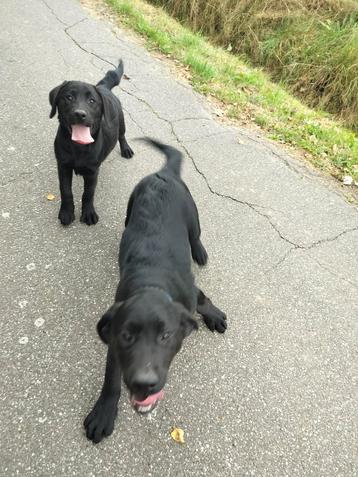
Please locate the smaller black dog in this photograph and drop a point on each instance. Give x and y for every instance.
(156, 296)
(91, 122)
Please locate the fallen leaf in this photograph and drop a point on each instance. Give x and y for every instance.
(177, 435)
(50, 197)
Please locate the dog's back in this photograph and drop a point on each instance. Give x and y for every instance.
(157, 217)
(162, 233)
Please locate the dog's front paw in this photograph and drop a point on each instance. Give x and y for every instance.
(215, 319)
(199, 253)
(89, 215)
(66, 215)
(100, 421)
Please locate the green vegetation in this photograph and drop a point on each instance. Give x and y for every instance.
(311, 46)
(246, 93)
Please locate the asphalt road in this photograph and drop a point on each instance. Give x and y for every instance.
(276, 396)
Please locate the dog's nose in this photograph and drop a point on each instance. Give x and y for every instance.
(144, 381)
(80, 114)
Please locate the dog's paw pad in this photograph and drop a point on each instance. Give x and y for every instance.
(89, 216)
(66, 216)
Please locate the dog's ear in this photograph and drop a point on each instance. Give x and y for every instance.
(53, 98)
(104, 324)
(109, 109)
(186, 319)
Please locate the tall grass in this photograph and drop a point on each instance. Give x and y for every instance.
(309, 45)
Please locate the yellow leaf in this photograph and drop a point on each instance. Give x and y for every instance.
(177, 435)
(50, 197)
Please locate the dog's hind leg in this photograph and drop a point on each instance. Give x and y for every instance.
(214, 318)
(126, 150)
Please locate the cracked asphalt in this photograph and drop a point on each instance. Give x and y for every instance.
(277, 394)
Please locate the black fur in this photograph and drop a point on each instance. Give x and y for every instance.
(156, 295)
(98, 108)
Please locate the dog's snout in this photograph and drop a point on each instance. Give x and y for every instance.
(144, 381)
(80, 114)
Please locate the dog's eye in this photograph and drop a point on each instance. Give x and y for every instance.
(127, 337)
(91, 100)
(165, 336)
(69, 97)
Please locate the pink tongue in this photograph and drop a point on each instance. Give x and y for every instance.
(152, 399)
(81, 134)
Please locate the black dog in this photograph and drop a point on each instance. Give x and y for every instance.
(156, 296)
(91, 122)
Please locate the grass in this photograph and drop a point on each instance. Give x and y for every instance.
(246, 93)
(312, 46)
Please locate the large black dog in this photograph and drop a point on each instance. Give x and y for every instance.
(156, 296)
(91, 122)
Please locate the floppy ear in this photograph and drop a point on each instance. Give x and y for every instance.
(109, 109)
(104, 324)
(186, 319)
(53, 98)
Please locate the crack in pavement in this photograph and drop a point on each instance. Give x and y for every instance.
(189, 155)
(197, 118)
(280, 262)
(330, 239)
(251, 205)
(134, 121)
(66, 30)
(341, 277)
(53, 13)
(312, 246)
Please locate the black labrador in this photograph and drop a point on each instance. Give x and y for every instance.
(91, 122)
(156, 296)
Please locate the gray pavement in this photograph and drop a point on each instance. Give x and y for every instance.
(276, 396)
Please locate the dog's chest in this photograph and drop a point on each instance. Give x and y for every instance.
(84, 162)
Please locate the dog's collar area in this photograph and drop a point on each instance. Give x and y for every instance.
(152, 287)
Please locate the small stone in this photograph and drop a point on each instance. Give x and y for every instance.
(31, 266)
(347, 180)
(23, 303)
(39, 322)
(5, 215)
(24, 340)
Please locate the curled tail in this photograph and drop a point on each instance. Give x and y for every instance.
(112, 77)
(174, 157)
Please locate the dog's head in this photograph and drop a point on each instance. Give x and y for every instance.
(145, 333)
(81, 107)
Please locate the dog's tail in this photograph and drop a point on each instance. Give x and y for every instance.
(174, 157)
(112, 77)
